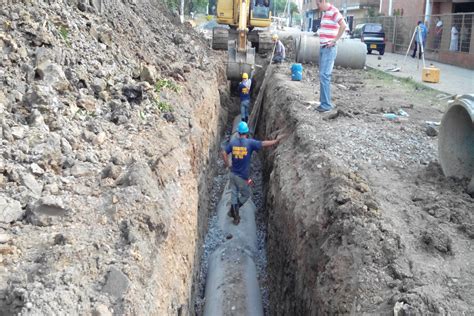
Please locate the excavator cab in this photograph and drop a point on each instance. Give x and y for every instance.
(260, 12)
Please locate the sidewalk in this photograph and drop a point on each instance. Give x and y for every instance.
(453, 80)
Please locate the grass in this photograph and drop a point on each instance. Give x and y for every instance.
(64, 32)
(163, 106)
(408, 81)
(162, 84)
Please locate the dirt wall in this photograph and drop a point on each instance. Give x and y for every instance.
(348, 196)
(110, 122)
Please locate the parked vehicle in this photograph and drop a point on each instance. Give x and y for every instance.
(372, 34)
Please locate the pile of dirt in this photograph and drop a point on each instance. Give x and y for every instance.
(110, 119)
(361, 219)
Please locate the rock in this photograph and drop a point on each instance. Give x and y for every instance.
(119, 158)
(39, 96)
(18, 132)
(470, 188)
(117, 283)
(169, 117)
(36, 170)
(59, 239)
(36, 119)
(43, 211)
(134, 94)
(141, 175)
(99, 138)
(98, 85)
(29, 181)
(5, 238)
(97, 5)
(87, 104)
(186, 68)
(101, 310)
(10, 210)
(51, 188)
(436, 238)
(7, 132)
(7, 250)
(111, 171)
(52, 75)
(104, 35)
(81, 169)
(431, 131)
(148, 74)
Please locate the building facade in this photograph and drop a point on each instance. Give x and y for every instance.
(349, 8)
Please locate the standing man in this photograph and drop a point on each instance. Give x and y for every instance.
(241, 149)
(244, 91)
(280, 54)
(438, 33)
(331, 29)
(420, 39)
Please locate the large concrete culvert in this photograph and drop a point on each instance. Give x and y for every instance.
(456, 138)
(350, 53)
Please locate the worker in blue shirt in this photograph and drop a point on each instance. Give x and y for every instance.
(420, 39)
(241, 149)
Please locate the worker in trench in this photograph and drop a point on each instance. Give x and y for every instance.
(279, 50)
(241, 149)
(244, 92)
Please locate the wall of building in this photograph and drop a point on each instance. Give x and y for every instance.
(410, 7)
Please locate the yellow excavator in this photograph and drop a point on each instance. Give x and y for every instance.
(243, 37)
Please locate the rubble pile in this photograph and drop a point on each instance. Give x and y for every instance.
(109, 112)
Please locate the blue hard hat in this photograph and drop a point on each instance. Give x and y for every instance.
(242, 128)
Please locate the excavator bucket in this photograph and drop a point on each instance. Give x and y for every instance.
(239, 62)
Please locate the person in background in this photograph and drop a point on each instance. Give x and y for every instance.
(279, 55)
(420, 39)
(454, 45)
(438, 33)
(244, 92)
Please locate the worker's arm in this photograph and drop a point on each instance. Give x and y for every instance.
(342, 29)
(226, 159)
(268, 143)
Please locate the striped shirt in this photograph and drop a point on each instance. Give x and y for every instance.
(329, 25)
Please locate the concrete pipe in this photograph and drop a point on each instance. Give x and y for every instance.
(456, 138)
(232, 285)
(351, 53)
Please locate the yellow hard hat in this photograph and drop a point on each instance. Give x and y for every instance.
(274, 37)
(245, 75)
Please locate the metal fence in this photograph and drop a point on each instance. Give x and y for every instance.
(448, 32)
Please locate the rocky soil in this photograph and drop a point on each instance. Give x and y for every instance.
(361, 219)
(110, 123)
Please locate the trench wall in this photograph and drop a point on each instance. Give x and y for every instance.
(321, 218)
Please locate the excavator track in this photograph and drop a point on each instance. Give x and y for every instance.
(220, 38)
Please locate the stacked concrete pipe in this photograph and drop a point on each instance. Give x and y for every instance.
(456, 138)
(351, 53)
(232, 285)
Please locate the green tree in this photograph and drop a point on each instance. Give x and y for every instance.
(293, 10)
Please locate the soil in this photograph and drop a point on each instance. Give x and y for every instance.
(361, 218)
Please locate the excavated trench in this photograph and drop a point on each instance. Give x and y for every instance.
(330, 241)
